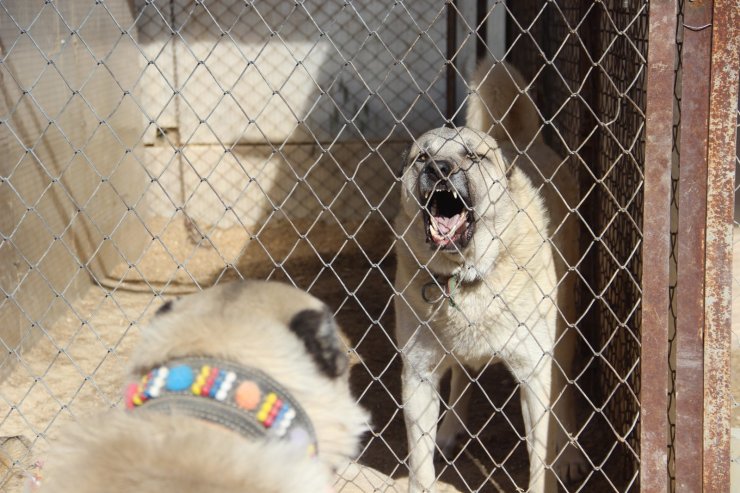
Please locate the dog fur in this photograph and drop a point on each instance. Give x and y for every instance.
(512, 301)
(275, 328)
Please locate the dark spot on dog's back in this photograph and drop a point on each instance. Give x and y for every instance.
(167, 307)
(318, 332)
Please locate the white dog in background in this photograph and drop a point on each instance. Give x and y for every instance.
(482, 277)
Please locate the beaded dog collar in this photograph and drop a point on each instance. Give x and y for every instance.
(245, 400)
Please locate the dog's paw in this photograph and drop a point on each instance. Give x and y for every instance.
(571, 466)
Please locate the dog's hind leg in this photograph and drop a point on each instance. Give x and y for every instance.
(453, 424)
(569, 463)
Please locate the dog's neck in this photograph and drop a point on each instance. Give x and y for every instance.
(242, 399)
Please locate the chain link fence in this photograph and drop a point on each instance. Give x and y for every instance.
(593, 93)
(156, 147)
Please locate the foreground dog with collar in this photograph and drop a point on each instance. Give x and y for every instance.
(482, 277)
(242, 387)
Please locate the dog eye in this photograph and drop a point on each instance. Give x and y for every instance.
(474, 156)
(422, 157)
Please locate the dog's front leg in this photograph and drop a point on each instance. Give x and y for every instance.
(535, 397)
(420, 382)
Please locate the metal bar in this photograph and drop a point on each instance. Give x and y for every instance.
(451, 50)
(589, 154)
(656, 247)
(481, 11)
(718, 281)
(692, 190)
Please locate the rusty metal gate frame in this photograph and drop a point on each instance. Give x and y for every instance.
(656, 247)
(693, 209)
(725, 60)
(707, 175)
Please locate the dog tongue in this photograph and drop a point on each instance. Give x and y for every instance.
(445, 224)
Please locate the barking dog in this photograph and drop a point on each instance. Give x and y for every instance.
(242, 387)
(482, 276)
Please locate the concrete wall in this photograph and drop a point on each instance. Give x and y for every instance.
(69, 181)
(298, 106)
(277, 71)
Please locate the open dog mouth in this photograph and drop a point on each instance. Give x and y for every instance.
(448, 217)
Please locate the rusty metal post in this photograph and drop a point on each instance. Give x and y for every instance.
(656, 247)
(718, 278)
(692, 190)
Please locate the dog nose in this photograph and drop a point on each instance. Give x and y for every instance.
(440, 168)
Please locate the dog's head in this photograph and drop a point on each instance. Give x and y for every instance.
(275, 328)
(455, 198)
(259, 311)
(269, 331)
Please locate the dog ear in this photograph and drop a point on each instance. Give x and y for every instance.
(404, 158)
(166, 307)
(318, 331)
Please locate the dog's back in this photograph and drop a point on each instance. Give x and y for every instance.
(501, 107)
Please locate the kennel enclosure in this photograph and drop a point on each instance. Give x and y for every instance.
(155, 147)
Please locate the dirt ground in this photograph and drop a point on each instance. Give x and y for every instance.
(77, 366)
(73, 370)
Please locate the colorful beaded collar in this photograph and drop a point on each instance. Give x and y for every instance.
(245, 400)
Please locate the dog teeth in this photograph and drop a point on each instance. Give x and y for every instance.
(454, 194)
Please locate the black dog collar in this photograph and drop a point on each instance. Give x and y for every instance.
(242, 399)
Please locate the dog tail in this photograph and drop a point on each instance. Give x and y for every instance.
(500, 106)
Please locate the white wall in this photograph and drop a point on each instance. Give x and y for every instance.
(67, 180)
(279, 72)
(302, 106)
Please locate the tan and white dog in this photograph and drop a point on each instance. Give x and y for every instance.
(482, 277)
(244, 389)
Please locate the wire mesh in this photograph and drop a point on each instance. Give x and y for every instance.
(622, 219)
(156, 147)
(609, 100)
